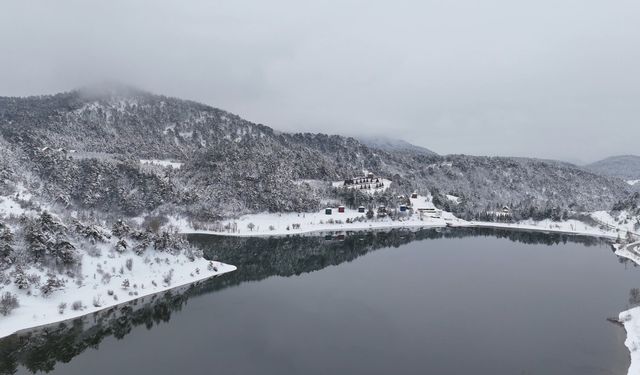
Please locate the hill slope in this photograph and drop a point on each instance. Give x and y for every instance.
(393, 145)
(626, 167)
(231, 166)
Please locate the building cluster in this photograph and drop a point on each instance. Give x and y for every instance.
(502, 214)
(368, 181)
(405, 208)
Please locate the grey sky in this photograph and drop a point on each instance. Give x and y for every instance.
(554, 79)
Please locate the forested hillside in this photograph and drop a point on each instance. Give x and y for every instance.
(82, 150)
(626, 167)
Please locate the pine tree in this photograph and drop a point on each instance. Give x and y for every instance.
(121, 245)
(6, 242)
(120, 229)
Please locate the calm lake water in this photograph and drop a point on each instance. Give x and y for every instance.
(448, 302)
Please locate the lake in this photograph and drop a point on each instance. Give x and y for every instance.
(433, 301)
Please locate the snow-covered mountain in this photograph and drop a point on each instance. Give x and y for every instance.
(82, 149)
(626, 167)
(92, 180)
(393, 145)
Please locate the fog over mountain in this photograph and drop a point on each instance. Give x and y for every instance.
(626, 167)
(150, 148)
(86, 148)
(393, 145)
(483, 78)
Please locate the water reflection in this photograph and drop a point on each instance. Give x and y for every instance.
(41, 349)
(257, 259)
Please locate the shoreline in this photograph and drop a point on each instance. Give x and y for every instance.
(325, 228)
(525, 227)
(69, 314)
(409, 224)
(630, 319)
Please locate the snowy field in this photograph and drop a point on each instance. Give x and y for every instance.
(567, 227)
(9, 206)
(372, 190)
(631, 318)
(272, 224)
(112, 278)
(269, 224)
(94, 291)
(623, 221)
(161, 163)
(453, 198)
(102, 278)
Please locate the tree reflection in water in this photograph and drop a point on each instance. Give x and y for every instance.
(256, 258)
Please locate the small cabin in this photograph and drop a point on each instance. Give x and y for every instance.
(328, 211)
(361, 209)
(341, 209)
(414, 195)
(506, 210)
(370, 175)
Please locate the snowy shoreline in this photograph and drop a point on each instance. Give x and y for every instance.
(281, 225)
(591, 232)
(37, 312)
(327, 228)
(567, 227)
(102, 268)
(630, 318)
(407, 225)
(144, 275)
(426, 215)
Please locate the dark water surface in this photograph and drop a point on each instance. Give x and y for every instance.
(451, 302)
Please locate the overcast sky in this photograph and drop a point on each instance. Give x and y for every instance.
(552, 79)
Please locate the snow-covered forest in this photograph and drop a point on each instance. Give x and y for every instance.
(89, 179)
(82, 150)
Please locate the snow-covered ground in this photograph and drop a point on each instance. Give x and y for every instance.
(162, 163)
(631, 321)
(421, 202)
(275, 224)
(370, 187)
(103, 278)
(568, 227)
(270, 224)
(631, 318)
(632, 182)
(623, 221)
(453, 198)
(147, 273)
(9, 206)
(102, 285)
(267, 224)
